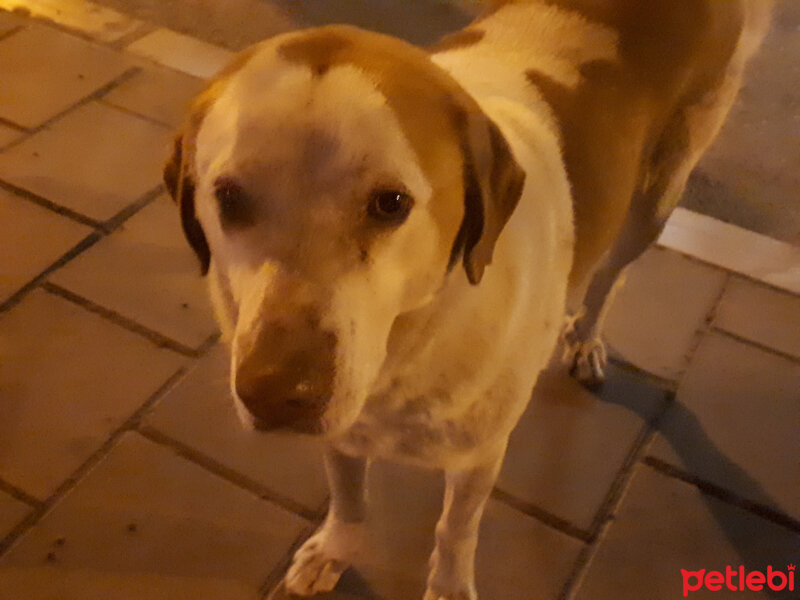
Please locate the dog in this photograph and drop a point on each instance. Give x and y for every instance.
(392, 236)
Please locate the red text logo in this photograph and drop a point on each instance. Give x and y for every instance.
(738, 580)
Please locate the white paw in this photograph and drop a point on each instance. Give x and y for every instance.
(584, 355)
(452, 573)
(321, 560)
(461, 595)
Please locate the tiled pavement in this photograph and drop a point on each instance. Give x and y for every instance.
(124, 473)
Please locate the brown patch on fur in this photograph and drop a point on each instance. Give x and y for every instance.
(178, 176)
(458, 40)
(318, 52)
(613, 122)
(437, 116)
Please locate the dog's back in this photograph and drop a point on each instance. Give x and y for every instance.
(637, 89)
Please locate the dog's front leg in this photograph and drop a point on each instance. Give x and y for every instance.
(321, 560)
(452, 575)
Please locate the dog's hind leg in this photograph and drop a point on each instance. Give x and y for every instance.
(452, 574)
(661, 183)
(321, 560)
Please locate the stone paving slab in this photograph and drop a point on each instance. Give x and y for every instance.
(99, 23)
(518, 557)
(8, 135)
(199, 413)
(735, 422)
(12, 511)
(157, 93)
(181, 52)
(665, 525)
(760, 314)
(33, 238)
(733, 248)
(147, 273)
(148, 524)
(552, 458)
(96, 160)
(51, 71)
(666, 297)
(69, 379)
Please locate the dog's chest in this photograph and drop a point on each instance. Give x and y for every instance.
(433, 426)
(420, 429)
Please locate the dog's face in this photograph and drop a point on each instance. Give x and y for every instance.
(331, 179)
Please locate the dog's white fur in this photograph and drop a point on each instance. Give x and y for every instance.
(430, 369)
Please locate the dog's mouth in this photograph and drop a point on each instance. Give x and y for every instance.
(291, 415)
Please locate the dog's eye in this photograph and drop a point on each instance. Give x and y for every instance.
(235, 208)
(390, 206)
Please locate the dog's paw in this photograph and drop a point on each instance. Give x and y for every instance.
(321, 560)
(451, 576)
(586, 357)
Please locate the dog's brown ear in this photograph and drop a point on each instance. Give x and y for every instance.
(493, 182)
(180, 185)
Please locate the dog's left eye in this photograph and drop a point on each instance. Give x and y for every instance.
(235, 208)
(390, 206)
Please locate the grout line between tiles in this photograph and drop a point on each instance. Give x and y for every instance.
(708, 321)
(96, 94)
(710, 489)
(231, 476)
(87, 242)
(104, 101)
(153, 336)
(101, 230)
(605, 514)
(543, 516)
(49, 205)
(636, 453)
(276, 575)
(115, 222)
(749, 342)
(7, 34)
(19, 494)
(77, 475)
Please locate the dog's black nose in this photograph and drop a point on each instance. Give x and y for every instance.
(288, 380)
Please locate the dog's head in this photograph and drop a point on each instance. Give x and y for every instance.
(332, 179)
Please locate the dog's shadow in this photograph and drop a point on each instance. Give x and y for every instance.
(757, 542)
(752, 536)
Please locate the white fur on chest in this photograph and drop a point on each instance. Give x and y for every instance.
(460, 372)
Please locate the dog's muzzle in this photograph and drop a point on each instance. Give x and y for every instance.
(286, 379)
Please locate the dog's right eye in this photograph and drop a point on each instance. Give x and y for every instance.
(235, 208)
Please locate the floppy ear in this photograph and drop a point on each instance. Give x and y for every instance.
(180, 185)
(493, 183)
